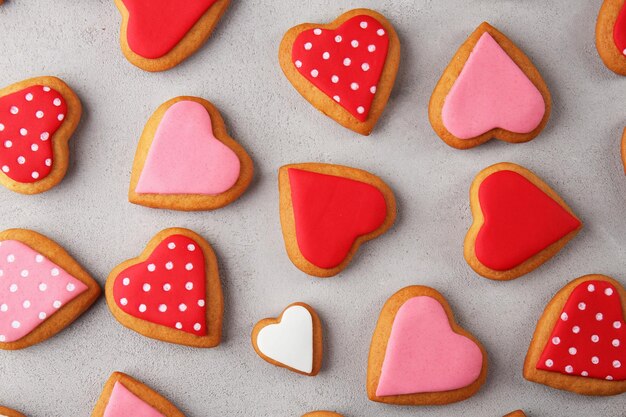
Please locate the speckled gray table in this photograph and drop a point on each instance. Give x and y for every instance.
(237, 70)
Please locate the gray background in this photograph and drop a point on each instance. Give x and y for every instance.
(88, 213)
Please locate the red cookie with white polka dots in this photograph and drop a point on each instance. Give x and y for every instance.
(346, 69)
(580, 341)
(171, 292)
(37, 118)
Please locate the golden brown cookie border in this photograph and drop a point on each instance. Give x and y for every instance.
(545, 325)
(288, 223)
(326, 104)
(452, 72)
(517, 413)
(318, 343)
(5, 411)
(322, 414)
(189, 202)
(144, 392)
(60, 138)
(214, 297)
(533, 262)
(378, 349)
(197, 36)
(612, 57)
(69, 312)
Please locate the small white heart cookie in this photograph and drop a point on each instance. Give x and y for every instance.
(292, 341)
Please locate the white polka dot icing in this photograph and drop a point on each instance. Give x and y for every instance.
(336, 60)
(28, 290)
(27, 117)
(165, 288)
(586, 340)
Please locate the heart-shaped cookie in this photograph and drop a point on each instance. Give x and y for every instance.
(157, 35)
(171, 292)
(580, 341)
(292, 341)
(346, 69)
(328, 211)
(124, 396)
(186, 160)
(490, 89)
(37, 118)
(611, 35)
(42, 289)
(4, 411)
(519, 222)
(419, 355)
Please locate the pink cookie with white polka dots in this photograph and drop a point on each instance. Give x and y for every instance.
(347, 68)
(37, 118)
(42, 289)
(171, 292)
(580, 341)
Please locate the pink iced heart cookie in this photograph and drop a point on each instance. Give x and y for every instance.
(124, 396)
(42, 289)
(185, 159)
(419, 355)
(490, 89)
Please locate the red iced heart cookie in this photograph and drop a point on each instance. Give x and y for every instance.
(328, 58)
(159, 34)
(611, 35)
(124, 396)
(37, 117)
(519, 222)
(351, 63)
(580, 341)
(31, 116)
(419, 355)
(172, 292)
(327, 211)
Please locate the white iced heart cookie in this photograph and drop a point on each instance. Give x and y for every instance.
(292, 341)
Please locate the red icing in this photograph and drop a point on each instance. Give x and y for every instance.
(520, 221)
(589, 338)
(156, 26)
(28, 120)
(171, 279)
(364, 42)
(331, 212)
(619, 30)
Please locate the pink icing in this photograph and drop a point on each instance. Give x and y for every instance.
(32, 288)
(491, 92)
(424, 354)
(185, 157)
(123, 403)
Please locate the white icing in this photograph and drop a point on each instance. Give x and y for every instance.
(289, 342)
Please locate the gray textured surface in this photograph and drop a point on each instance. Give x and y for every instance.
(237, 69)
